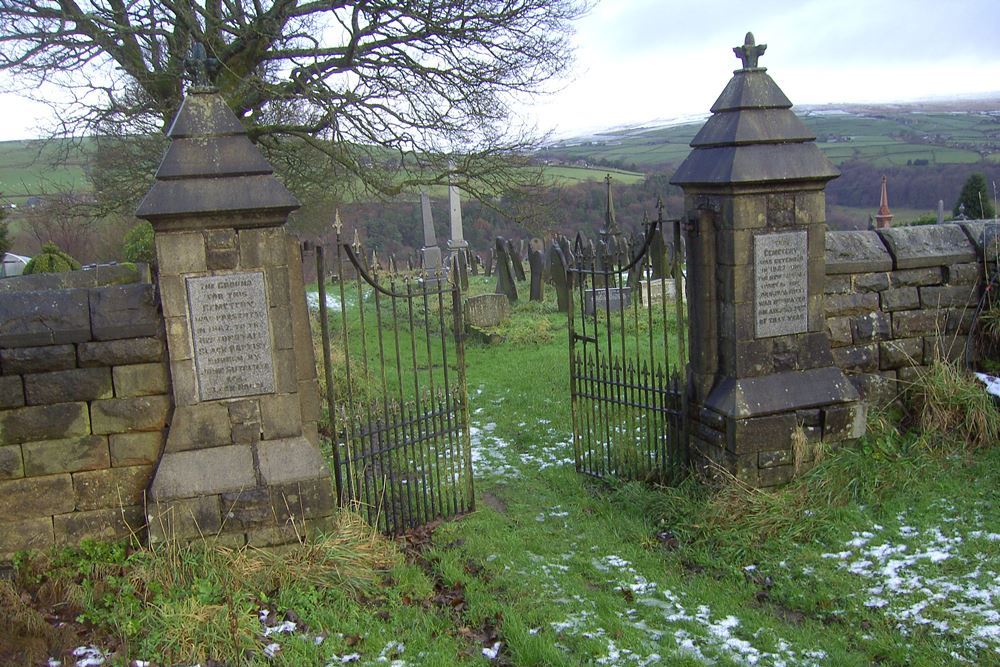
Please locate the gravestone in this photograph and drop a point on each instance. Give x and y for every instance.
(610, 299)
(474, 262)
(486, 310)
(536, 265)
(488, 264)
(559, 265)
(658, 256)
(638, 270)
(761, 368)
(241, 462)
(430, 254)
(505, 272)
(457, 245)
(516, 261)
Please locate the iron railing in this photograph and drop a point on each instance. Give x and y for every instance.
(627, 359)
(394, 366)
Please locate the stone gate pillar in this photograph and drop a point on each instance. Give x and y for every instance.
(241, 460)
(764, 388)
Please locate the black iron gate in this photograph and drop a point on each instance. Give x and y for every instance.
(627, 355)
(396, 390)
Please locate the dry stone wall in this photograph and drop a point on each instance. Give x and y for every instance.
(83, 405)
(897, 299)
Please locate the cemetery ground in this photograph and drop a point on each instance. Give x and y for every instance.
(886, 553)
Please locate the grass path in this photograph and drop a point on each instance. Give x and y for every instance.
(574, 572)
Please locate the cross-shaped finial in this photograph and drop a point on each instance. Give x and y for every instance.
(200, 67)
(749, 52)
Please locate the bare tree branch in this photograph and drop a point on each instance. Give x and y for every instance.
(353, 81)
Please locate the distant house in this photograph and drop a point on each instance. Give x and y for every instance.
(13, 265)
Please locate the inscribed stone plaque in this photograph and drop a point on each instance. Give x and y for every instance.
(232, 342)
(781, 290)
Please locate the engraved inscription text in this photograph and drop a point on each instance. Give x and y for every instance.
(781, 291)
(232, 343)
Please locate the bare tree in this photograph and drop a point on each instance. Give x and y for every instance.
(378, 92)
(64, 219)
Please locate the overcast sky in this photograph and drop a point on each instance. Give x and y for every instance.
(643, 60)
(639, 60)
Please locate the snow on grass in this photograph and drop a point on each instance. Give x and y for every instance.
(332, 302)
(937, 579)
(667, 626)
(489, 452)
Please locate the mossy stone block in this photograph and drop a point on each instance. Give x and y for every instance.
(36, 496)
(104, 524)
(48, 457)
(77, 384)
(44, 422)
(125, 415)
(121, 352)
(111, 487)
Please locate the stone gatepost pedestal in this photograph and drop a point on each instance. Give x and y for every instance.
(241, 461)
(764, 387)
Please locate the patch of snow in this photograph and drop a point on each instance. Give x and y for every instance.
(491, 653)
(332, 302)
(991, 382)
(89, 656)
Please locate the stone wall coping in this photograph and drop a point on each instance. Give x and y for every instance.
(928, 245)
(856, 252)
(99, 275)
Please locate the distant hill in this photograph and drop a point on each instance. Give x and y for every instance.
(882, 135)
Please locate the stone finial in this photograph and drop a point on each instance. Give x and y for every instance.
(201, 68)
(884, 218)
(610, 222)
(749, 52)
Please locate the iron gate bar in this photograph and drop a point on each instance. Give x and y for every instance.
(629, 413)
(404, 460)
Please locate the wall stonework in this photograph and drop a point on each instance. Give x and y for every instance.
(897, 299)
(84, 404)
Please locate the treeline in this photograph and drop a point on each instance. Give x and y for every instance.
(396, 227)
(918, 187)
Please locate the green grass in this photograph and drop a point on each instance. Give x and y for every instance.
(563, 570)
(36, 167)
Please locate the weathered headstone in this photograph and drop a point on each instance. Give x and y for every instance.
(430, 254)
(656, 290)
(516, 261)
(559, 263)
(761, 366)
(488, 263)
(241, 461)
(486, 310)
(638, 270)
(658, 256)
(610, 299)
(536, 264)
(457, 244)
(505, 272)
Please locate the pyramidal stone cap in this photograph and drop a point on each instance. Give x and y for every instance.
(753, 136)
(212, 172)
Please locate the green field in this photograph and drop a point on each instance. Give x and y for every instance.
(884, 139)
(33, 168)
(30, 168)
